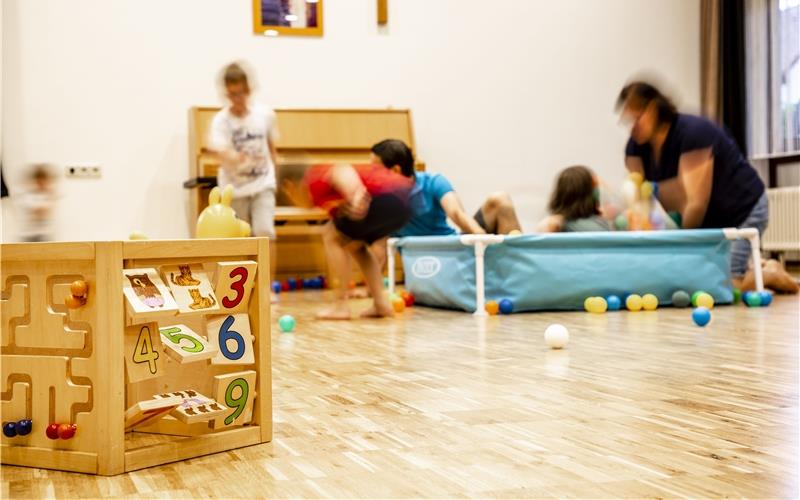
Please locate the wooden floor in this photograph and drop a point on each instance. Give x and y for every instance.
(441, 404)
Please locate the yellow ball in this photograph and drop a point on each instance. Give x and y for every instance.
(598, 305)
(587, 304)
(633, 302)
(636, 177)
(705, 300)
(646, 190)
(649, 302)
(492, 307)
(514, 232)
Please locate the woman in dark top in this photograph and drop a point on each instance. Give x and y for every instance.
(701, 174)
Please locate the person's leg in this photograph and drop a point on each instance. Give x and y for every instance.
(374, 278)
(775, 276)
(497, 214)
(262, 223)
(339, 267)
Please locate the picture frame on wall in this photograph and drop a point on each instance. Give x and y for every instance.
(287, 17)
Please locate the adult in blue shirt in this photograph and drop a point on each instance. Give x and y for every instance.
(433, 201)
(701, 174)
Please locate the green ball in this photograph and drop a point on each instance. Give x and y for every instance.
(737, 295)
(680, 299)
(287, 323)
(621, 222)
(694, 297)
(386, 282)
(753, 299)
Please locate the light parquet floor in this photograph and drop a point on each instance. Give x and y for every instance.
(442, 404)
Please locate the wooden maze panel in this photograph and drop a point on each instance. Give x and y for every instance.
(47, 349)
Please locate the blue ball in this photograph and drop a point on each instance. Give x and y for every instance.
(9, 429)
(287, 323)
(614, 303)
(292, 283)
(506, 306)
(276, 286)
(752, 299)
(766, 298)
(24, 427)
(701, 316)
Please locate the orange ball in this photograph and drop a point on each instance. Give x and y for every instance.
(492, 307)
(79, 288)
(399, 304)
(73, 302)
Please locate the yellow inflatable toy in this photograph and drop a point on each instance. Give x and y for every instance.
(218, 219)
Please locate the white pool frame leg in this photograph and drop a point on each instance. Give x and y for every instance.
(750, 234)
(480, 242)
(390, 250)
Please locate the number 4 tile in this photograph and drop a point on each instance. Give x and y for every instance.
(184, 345)
(231, 335)
(233, 282)
(237, 391)
(142, 352)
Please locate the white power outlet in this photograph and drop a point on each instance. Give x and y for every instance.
(83, 171)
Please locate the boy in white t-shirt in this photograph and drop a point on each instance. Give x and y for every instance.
(243, 136)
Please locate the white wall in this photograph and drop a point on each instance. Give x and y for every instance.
(505, 93)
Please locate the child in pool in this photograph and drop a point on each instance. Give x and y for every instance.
(573, 205)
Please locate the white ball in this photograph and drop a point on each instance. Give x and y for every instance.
(556, 336)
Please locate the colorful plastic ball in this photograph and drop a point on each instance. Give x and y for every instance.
(705, 300)
(10, 429)
(737, 295)
(597, 305)
(506, 306)
(52, 431)
(292, 283)
(614, 303)
(649, 302)
(514, 232)
(621, 223)
(24, 427)
(752, 299)
(766, 298)
(323, 283)
(67, 431)
(633, 302)
(587, 304)
(300, 284)
(276, 286)
(681, 299)
(285, 286)
(386, 282)
(287, 323)
(694, 297)
(492, 307)
(409, 299)
(701, 316)
(556, 336)
(399, 304)
(646, 190)
(636, 177)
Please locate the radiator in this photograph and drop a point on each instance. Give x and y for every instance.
(783, 231)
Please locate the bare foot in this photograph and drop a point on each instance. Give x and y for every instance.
(776, 277)
(379, 310)
(334, 312)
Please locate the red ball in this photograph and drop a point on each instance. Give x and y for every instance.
(285, 286)
(52, 431)
(66, 431)
(409, 298)
(299, 284)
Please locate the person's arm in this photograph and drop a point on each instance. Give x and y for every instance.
(695, 171)
(452, 206)
(221, 146)
(634, 164)
(551, 224)
(345, 180)
(670, 191)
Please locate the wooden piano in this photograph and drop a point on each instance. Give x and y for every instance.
(305, 137)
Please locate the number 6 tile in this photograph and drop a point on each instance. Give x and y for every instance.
(231, 335)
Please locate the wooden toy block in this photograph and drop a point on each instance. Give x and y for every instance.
(142, 352)
(146, 295)
(191, 288)
(148, 411)
(194, 407)
(45, 321)
(184, 345)
(233, 282)
(237, 391)
(230, 333)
